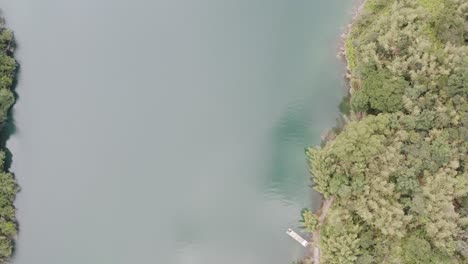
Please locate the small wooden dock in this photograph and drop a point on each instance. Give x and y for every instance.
(297, 237)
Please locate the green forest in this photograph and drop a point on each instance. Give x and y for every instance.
(395, 175)
(8, 186)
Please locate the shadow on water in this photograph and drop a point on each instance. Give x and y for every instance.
(299, 127)
(8, 128)
(292, 133)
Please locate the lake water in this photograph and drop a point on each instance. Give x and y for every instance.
(169, 131)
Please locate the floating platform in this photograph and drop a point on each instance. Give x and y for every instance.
(297, 237)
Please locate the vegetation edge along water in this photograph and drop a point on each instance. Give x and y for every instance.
(394, 178)
(8, 185)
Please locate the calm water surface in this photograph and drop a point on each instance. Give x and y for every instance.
(169, 131)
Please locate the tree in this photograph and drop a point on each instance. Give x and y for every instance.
(360, 101)
(309, 220)
(385, 92)
(416, 250)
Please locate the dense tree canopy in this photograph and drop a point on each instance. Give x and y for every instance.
(398, 170)
(8, 186)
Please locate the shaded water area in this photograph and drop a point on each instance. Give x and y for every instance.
(169, 131)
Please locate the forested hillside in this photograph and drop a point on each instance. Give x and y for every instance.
(8, 186)
(397, 172)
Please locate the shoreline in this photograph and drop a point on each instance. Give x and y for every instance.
(341, 55)
(326, 204)
(356, 12)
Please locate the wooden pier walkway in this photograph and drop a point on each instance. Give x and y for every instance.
(297, 237)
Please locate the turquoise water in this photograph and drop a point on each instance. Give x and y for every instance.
(169, 131)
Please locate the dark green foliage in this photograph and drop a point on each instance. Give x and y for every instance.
(360, 101)
(6, 101)
(383, 93)
(345, 106)
(6, 247)
(425, 120)
(450, 28)
(416, 250)
(458, 83)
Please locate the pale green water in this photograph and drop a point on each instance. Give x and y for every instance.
(169, 131)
